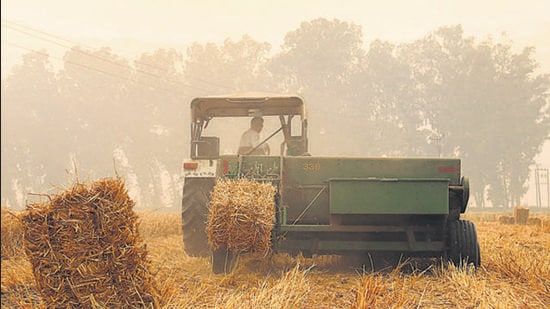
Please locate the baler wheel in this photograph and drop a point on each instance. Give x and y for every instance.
(463, 244)
(195, 203)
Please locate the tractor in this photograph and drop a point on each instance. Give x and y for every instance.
(333, 205)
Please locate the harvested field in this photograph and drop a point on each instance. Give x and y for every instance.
(515, 273)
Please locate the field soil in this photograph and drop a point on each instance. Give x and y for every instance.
(515, 273)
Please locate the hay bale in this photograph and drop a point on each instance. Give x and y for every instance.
(12, 234)
(85, 249)
(535, 221)
(506, 220)
(241, 215)
(521, 215)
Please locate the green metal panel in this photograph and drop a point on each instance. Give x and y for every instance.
(326, 246)
(305, 182)
(389, 196)
(353, 228)
(259, 167)
(315, 170)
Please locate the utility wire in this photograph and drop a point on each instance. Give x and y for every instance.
(11, 24)
(96, 69)
(14, 24)
(83, 52)
(102, 71)
(28, 31)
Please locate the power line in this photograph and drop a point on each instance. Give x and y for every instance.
(17, 27)
(102, 71)
(25, 30)
(12, 25)
(81, 52)
(91, 68)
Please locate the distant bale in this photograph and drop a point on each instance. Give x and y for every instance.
(241, 215)
(535, 221)
(12, 234)
(85, 249)
(506, 220)
(521, 215)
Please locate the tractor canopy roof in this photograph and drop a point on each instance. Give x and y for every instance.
(247, 105)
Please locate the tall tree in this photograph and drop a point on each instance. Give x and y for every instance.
(386, 110)
(94, 85)
(522, 121)
(230, 67)
(488, 105)
(318, 60)
(156, 140)
(33, 130)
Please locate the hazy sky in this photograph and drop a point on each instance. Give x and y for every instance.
(131, 27)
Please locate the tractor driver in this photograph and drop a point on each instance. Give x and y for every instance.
(251, 138)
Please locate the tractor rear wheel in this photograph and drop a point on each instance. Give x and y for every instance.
(463, 244)
(195, 203)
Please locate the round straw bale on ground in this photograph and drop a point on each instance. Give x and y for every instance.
(85, 249)
(241, 215)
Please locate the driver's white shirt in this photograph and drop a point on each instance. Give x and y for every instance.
(251, 138)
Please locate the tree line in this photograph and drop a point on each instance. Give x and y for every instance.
(445, 94)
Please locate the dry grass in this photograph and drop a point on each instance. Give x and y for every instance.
(515, 273)
(12, 234)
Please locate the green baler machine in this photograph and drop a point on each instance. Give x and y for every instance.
(331, 205)
(338, 205)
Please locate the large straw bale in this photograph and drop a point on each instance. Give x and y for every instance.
(12, 234)
(521, 215)
(85, 249)
(241, 215)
